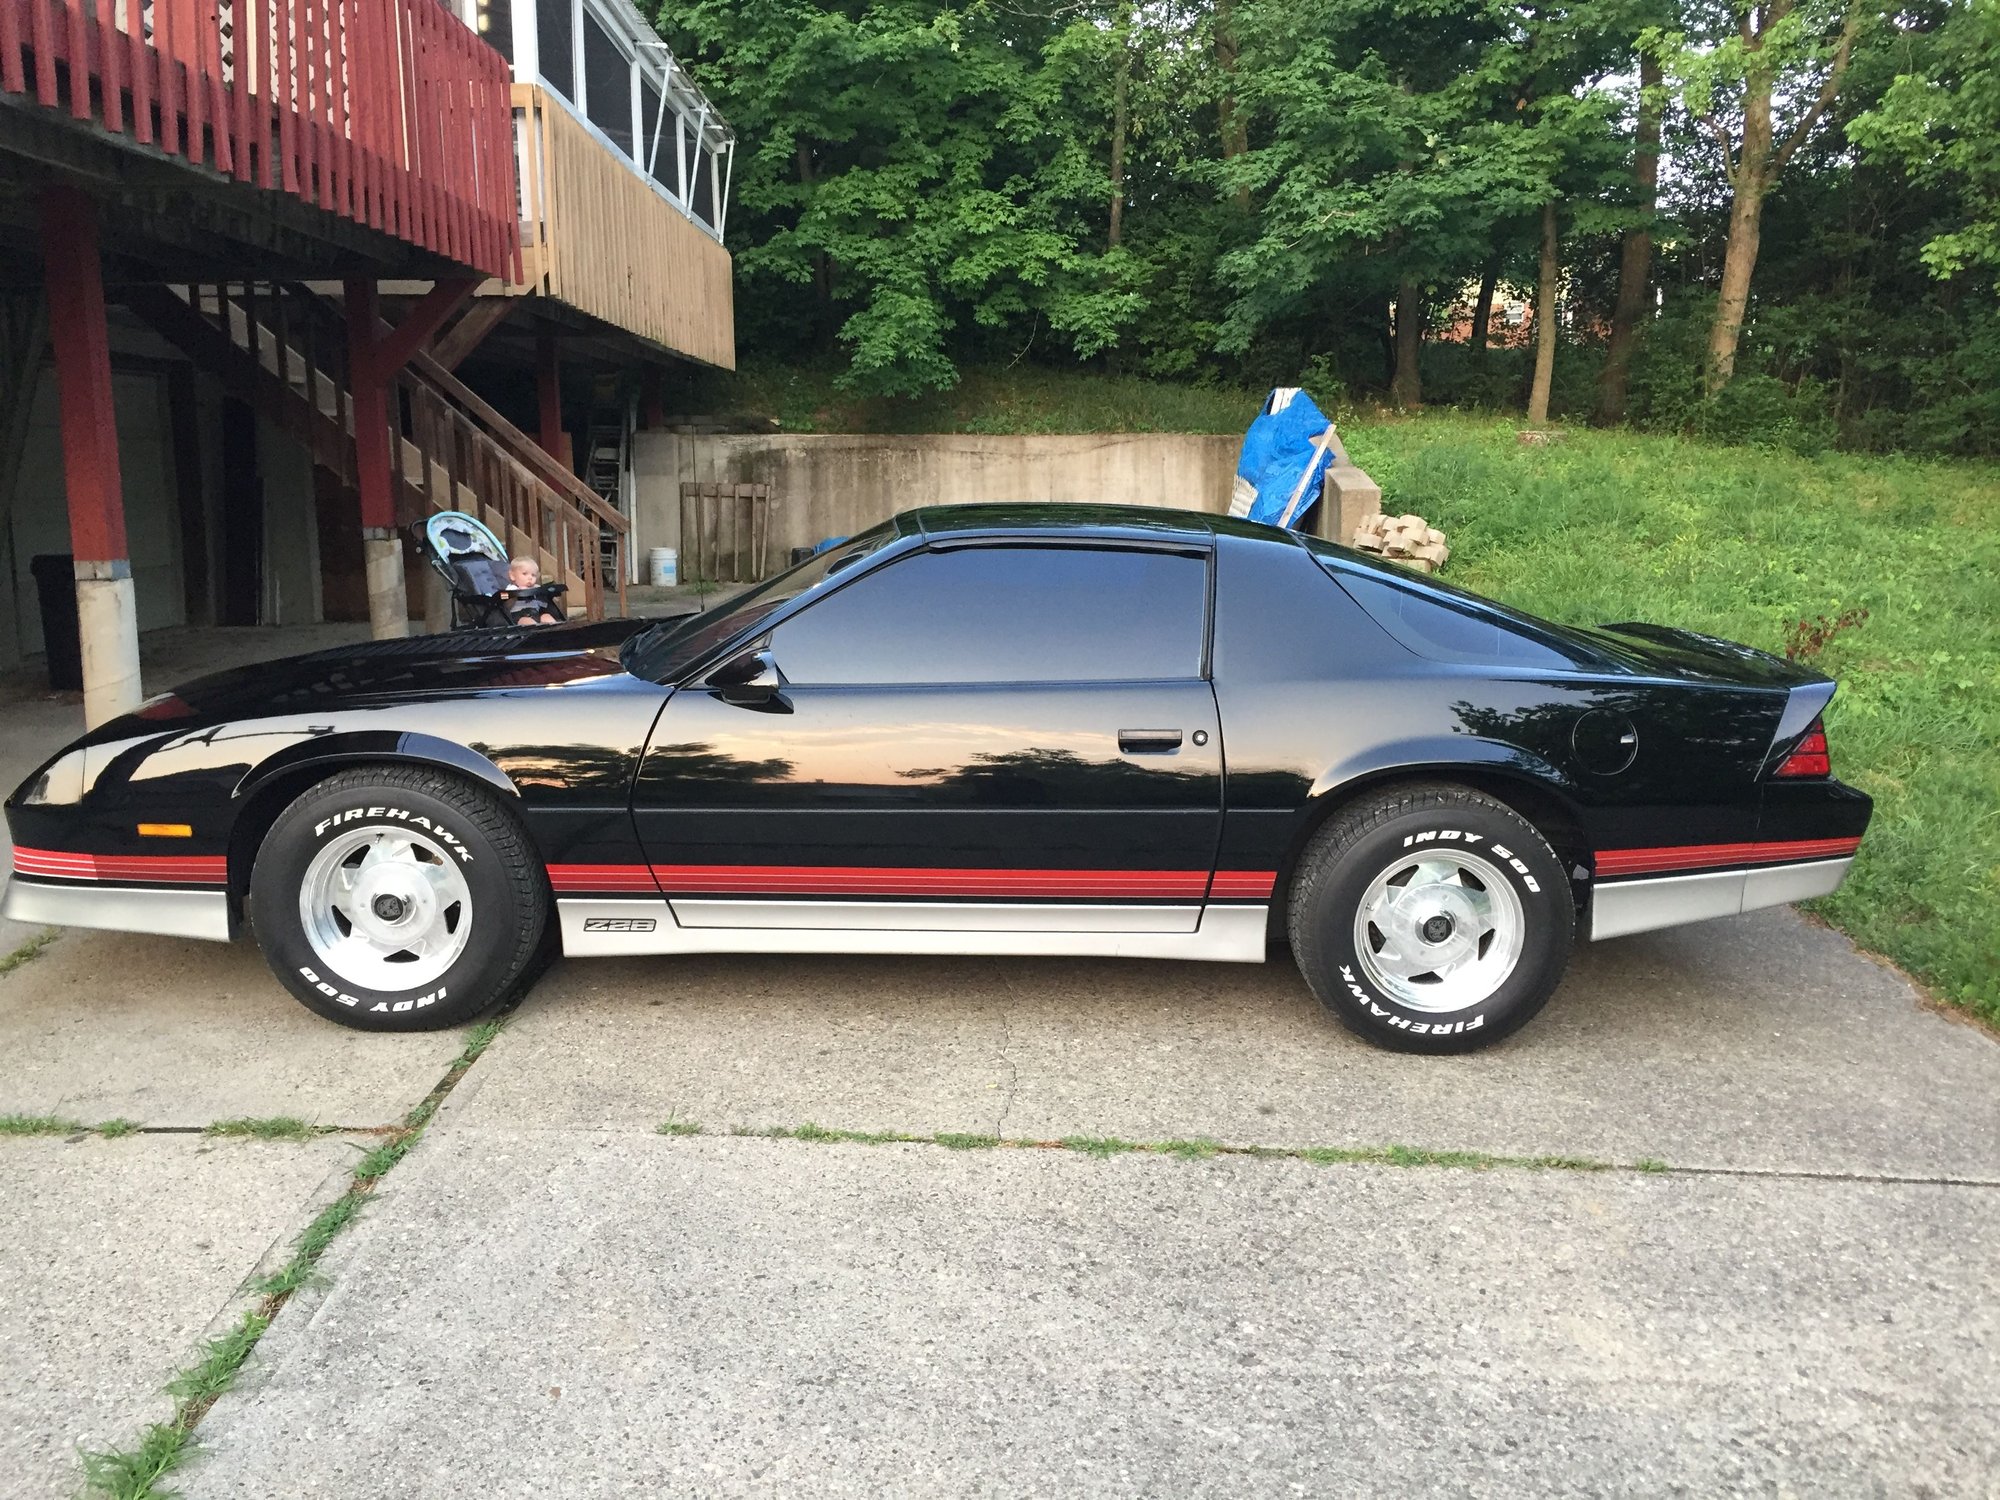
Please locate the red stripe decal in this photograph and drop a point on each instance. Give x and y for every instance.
(1704, 856)
(1242, 885)
(170, 869)
(873, 880)
(603, 878)
(870, 880)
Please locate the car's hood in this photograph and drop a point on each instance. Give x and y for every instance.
(457, 663)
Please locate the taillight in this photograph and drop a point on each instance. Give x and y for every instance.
(1810, 757)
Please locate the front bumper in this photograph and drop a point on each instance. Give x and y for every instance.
(120, 908)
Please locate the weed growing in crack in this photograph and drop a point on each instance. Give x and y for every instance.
(29, 950)
(129, 1475)
(954, 1141)
(675, 1125)
(220, 1363)
(1100, 1146)
(59, 1125)
(1197, 1148)
(275, 1128)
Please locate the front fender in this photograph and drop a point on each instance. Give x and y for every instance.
(375, 745)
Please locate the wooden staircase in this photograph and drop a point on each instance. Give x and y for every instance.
(283, 348)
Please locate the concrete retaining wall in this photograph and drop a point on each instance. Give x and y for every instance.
(838, 484)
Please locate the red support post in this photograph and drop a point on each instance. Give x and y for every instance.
(83, 375)
(142, 67)
(107, 618)
(548, 394)
(13, 76)
(368, 384)
(111, 48)
(45, 53)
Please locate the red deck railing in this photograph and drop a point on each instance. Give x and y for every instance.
(391, 113)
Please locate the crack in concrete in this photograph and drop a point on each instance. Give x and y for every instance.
(1007, 1060)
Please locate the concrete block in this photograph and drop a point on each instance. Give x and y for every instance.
(1348, 497)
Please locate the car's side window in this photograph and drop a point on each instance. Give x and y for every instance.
(1006, 614)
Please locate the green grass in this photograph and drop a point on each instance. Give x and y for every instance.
(1024, 399)
(61, 1125)
(28, 950)
(1198, 1148)
(275, 1128)
(1745, 543)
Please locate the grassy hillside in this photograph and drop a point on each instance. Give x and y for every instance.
(1023, 398)
(1745, 544)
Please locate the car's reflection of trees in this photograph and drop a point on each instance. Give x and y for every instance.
(1062, 778)
(698, 764)
(1678, 728)
(596, 771)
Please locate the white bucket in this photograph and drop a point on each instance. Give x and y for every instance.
(663, 567)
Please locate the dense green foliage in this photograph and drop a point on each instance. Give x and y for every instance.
(925, 188)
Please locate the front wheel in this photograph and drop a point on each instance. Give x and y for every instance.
(1431, 919)
(397, 899)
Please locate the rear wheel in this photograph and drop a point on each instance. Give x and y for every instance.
(398, 899)
(1431, 919)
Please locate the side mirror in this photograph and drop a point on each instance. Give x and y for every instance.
(750, 677)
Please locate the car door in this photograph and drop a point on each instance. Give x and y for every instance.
(973, 736)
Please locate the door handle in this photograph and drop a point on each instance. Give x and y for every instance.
(1149, 741)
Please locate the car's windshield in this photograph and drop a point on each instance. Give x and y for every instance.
(672, 646)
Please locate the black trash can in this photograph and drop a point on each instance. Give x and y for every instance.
(55, 584)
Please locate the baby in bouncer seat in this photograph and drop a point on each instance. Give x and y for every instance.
(526, 573)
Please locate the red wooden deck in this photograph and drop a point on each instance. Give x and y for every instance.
(390, 113)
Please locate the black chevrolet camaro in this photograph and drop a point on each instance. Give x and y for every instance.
(979, 730)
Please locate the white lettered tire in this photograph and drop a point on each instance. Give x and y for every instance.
(395, 898)
(1431, 918)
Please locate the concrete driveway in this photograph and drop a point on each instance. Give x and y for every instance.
(1721, 1220)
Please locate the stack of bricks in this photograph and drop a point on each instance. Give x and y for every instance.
(1409, 540)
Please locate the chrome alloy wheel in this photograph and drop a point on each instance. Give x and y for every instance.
(385, 908)
(1439, 931)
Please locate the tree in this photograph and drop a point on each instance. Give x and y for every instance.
(1942, 126)
(1389, 155)
(934, 170)
(1636, 247)
(1730, 70)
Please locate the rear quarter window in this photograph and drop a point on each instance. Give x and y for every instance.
(1444, 630)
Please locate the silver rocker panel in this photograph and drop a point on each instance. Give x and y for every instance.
(602, 928)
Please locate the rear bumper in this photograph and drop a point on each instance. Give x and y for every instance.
(119, 908)
(1625, 906)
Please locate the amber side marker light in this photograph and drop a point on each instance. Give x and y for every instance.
(1810, 758)
(166, 830)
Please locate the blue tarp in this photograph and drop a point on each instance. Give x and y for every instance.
(1285, 455)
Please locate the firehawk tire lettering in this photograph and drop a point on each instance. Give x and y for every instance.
(1373, 836)
(396, 814)
(504, 895)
